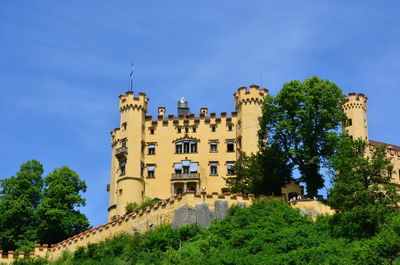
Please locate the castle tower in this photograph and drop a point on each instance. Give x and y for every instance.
(248, 104)
(355, 108)
(127, 182)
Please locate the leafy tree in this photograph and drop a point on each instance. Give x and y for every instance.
(58, 217)
(247, 173)
(19, 199)
(302, 119)
(363, 194)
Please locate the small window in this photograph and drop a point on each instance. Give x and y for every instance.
(178, 148)
(194, 129)
(349, 122)
(151, 131)
(193, 147)
(213, 147)
(141, 168)
(123, 143)
(179, 130)
(152, 149)
(229, 166)
(124, 126)
(213, 169)
(178, 168)
(229, 128)
(122, 165)
(213, 128)
(120, 192)
(150, 171)
(230, 146)
(186, 130)
(186, 166)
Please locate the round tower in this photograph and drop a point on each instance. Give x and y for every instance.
(127, 182)
(248, 104)
(355, 109)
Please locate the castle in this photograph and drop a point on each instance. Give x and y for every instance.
(172, 154)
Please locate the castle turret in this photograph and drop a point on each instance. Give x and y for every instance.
(127, 182)
(248, 103)
(355, 108)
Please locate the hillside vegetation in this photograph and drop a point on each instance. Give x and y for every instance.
(268, 232)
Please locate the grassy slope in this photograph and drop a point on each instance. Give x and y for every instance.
(269, 232)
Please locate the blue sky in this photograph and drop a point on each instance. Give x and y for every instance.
(64, 63)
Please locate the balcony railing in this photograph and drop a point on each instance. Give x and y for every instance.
(185, 176)
(122, 151)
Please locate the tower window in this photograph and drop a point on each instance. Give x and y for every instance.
(152, 149)
(229, 128)
(194, 129)
(186, 130)
(179, 130)
(150, 171)
(124, 126)
(229, 166)
(151, 131)
(213, 147)
(213, 168)
(123, 143)
(230, 146)
(122, 165)
(213, 128)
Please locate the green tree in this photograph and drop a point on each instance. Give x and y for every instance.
(303, 119)
(247, 173)
(19, 199)
(363, 194)
(59, 218)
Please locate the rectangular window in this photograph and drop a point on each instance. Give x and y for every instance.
(179, 130)
(229, 166)
(152, 149)
(122, 165)
(193, 147)
(213, 128)
(186, 166)
(193, 167)
(213, 168)
(213, 147)
(185, 147)
(229, 128)
(123, 143)
(150, 171)
(230, 146)
(194, 129)
(186, 130)
(178, 148)
(178, 168)
(151, 131)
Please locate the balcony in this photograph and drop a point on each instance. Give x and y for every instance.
(121, 152)
(185, 176)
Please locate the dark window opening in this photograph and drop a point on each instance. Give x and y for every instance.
(229, 166)
(122, 166)
(151, 131)
(186, 130)
(179, 130)
(152, 150)
(230, 146)
(213, 169)
(213, 128)
(213, 147)
(194, 129)
(123, 143)
(229, 128)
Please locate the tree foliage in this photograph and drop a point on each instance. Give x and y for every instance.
(303, 119)
(363, 193)
(20, 198)
(59, 218)
(37, 210)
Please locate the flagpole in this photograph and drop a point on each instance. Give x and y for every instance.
(131, 76)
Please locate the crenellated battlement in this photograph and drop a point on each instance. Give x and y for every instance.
(354, 100)
(128, 101)
(11, 256)
(251, 95)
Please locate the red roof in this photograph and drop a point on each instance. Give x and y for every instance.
(376, 143)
